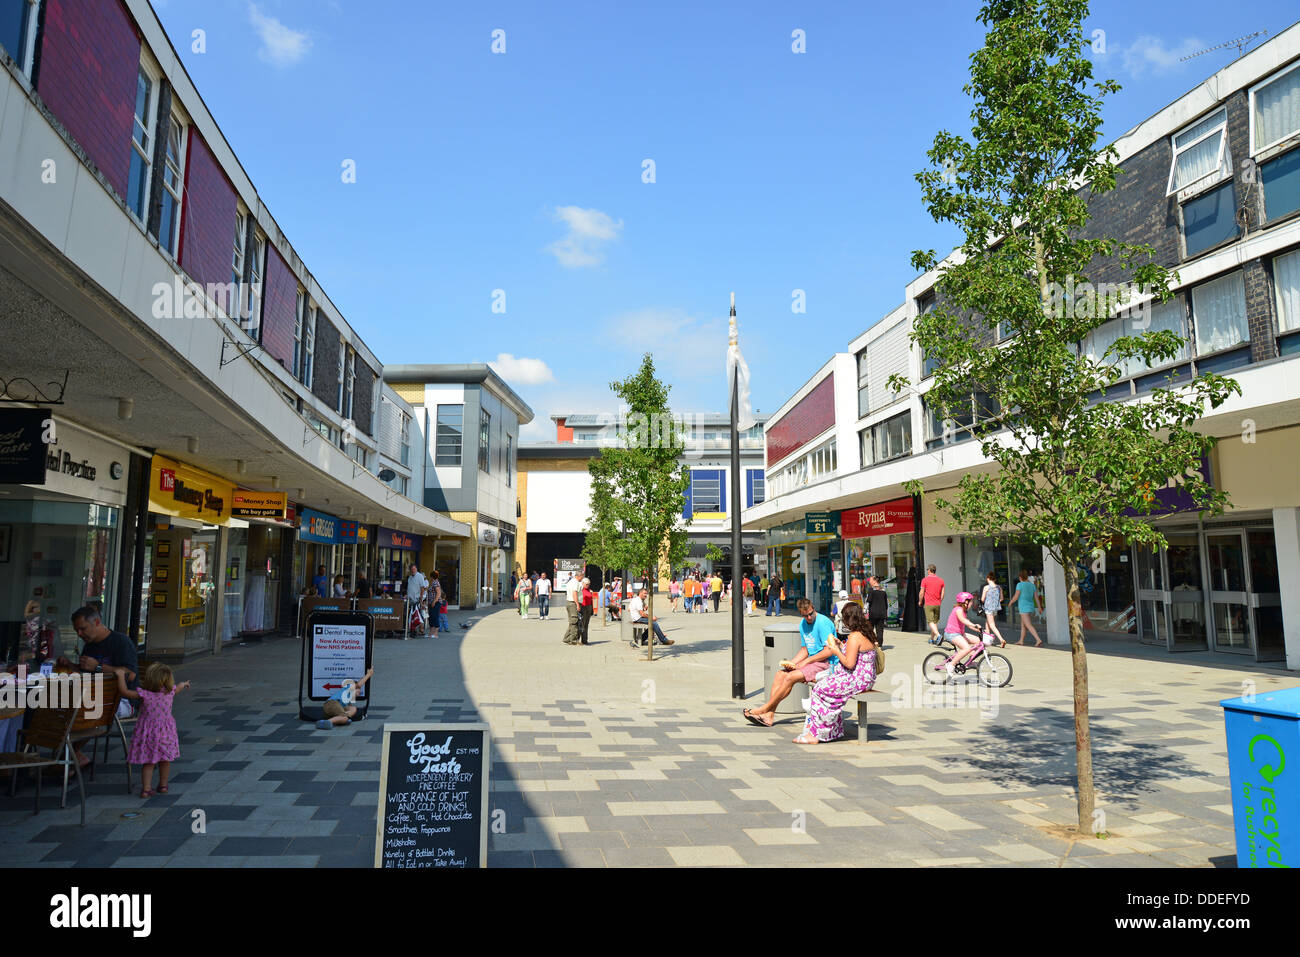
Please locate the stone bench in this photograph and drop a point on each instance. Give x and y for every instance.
(861, 699)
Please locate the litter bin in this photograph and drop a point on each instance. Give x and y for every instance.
(780, 643)
(1263, 733)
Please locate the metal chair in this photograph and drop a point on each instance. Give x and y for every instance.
(51, 728)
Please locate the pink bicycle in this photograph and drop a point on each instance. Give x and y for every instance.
(991, 669)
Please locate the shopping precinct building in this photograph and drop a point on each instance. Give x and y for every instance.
(191, 426)
(1212, 182)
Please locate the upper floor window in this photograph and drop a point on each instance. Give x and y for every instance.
(1275, 109)
(137, 190)
(1210, 219)
(405, 435)
(890, 439)
(347, 381)
(1286, 276)
(252, 321)
(448, 441)
(484, 440)
(510, 451)
(706, 491)
(1219, 313)
(1162, 316)
(928, 363)
(757, 487)
(304, 339)
(18, 31)
(237, 262)
(173, 174)
(1200, 152)
(963, 418)
(864, 399)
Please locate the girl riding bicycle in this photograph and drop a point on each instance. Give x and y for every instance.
(955, 630)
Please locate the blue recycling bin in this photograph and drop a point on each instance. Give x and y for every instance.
(1264, 767)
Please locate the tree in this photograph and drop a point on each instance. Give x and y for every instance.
(600, 546)
(638, 485)
(1072, 473)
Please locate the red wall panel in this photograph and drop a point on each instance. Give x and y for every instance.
(279, 308)
(90, 55)
(811, 416)
(208, 221)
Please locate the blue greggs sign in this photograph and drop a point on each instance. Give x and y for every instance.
(318, 527)
(1263, 738)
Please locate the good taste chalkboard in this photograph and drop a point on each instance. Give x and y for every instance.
(433, 796)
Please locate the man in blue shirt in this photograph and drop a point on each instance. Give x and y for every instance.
(813, 658)
(321, 583)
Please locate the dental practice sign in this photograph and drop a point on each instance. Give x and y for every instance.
(433, 796)
(1264, 768)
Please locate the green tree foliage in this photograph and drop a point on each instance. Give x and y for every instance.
(1073, 473)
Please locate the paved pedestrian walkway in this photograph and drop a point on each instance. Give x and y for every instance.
(604, 759)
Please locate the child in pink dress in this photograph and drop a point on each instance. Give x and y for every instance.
(155, 740)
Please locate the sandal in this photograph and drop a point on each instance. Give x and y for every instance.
(752, 718)
(804, 739)
(147, 792)
(162, 789)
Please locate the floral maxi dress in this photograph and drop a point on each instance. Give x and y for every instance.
(155, 738)
(825, 715)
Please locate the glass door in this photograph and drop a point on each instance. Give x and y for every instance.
(1265, 595)
(1153, 600)
(1230, 609)
(1187, 631)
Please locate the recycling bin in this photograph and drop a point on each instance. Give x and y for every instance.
(1263, 732)
(781, 642)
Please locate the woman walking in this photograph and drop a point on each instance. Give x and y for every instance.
(674, 592)
(524, 591)
(1025, 592)
(854, 670)
(991, 597)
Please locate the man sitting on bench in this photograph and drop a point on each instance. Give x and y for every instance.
(813, 658)
(636, 611)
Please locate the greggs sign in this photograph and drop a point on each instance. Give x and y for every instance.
(183, 491)
(884, 518)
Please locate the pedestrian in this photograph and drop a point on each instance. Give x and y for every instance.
(991, 598)
(688, 590)
(587, 609)
(837, 612)
(854, 669)
(774, 588)
(637, 611)
(674, 592)
(416, 591)
(154, 740)
(877, 609)
(748, 595)
(321, 582)
(437, 603)
(813, 658)
(364, 590)
(1025, 603)
(523, 591)
(715, 589)
(339, 590)
(573, 608)
(931, 599)
(543, 596)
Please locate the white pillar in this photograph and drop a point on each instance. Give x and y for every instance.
(1286, 531)
(1055, 603)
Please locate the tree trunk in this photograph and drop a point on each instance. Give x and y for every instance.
(1082, 730)
(650, 621)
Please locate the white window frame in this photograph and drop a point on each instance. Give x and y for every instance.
(338, 405)
(309, 346)
(180, 122)
(237, 267)
(404, 436)
(444, 451)
(154, 76)
(27, 55)
(1216, 175)
(1256, 149)
(350, 382)
(251, 322)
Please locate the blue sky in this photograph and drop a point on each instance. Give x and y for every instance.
(522, 171)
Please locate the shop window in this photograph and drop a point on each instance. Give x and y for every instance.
(1210, 219)
(1219, 314)
(1281, 181)
(450, 428)
(18, 31)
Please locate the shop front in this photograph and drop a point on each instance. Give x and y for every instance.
(880, 540)
(494, 564)
(809, 563)
(1005, 557)
(252, 580)
(395, 552)
(60, 526)
(322, 540)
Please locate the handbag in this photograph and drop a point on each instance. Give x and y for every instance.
(783, 594)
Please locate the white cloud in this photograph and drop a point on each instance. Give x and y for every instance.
(1148, 52)
(589, 231)
(521, 371)
(281, 46)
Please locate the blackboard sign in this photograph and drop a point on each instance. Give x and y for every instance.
(23, 445)
(433, 796)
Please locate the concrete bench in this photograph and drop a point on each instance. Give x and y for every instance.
(862, 699)
(640, 633)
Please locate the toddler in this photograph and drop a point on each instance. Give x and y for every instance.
(155, 740)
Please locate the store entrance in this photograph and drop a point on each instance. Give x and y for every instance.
(1170, 594)
(1245, 594)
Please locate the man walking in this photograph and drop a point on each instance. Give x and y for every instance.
(543, 596)
(877, 609)
(932, 589)
(715, 589)
(416, 589)
(572, 599)
(774, 596)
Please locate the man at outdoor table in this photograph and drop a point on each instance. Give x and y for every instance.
(105, 652)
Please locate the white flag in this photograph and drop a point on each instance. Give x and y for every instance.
(736, 361)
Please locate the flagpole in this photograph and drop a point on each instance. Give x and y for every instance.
(737, 591)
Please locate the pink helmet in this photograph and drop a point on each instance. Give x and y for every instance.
(964, 597)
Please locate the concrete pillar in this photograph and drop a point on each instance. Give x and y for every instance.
(1056, 606)
(1286, 531)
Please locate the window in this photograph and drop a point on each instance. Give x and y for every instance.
(890, 439)
(252, 322)
(347, 385)
(1286, 276)
(137, 189)
(981, 407)
(18, 31)
(304, 339)
(510, 442)
(864, 400)
(928, 364)
(1219, 314)
(1210, 219)
(405, 457)
(1163, 316)
(1200, 152)
(447, 448)
(1280, 178)
(1275, 110)
(484, 440)
(706, 491)
(758, 487)
(169, 222)
(237, 269)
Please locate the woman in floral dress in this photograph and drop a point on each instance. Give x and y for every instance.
(154, 740)
(853, 670)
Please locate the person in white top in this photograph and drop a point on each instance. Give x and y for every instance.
(416, 587)
(572, 596)
(636, 611)
(543, 589)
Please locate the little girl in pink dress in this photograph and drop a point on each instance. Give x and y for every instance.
(155, 740)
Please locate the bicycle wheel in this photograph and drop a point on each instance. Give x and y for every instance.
(933, 668)
(994, 671)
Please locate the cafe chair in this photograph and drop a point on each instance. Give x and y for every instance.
(50, 728)
(95, 729)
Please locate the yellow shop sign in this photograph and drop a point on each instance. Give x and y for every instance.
(183, 491)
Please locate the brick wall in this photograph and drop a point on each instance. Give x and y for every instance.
(89, 58)
(811, 416)
(325, 368)
(1137, 211)
(208, 219)
(1260, 316)
(362, 393)
(279, 308)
